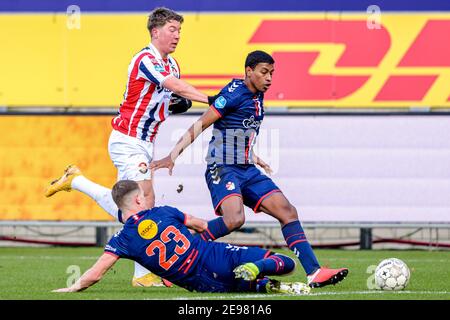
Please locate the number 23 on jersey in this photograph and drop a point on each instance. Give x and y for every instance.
(183, 244)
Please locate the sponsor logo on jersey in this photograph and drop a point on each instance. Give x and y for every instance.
(220, 102)
(159, 68)
(230, 186)
(251, 123)
(148, 229)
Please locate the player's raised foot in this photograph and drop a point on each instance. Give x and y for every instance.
(148, 280)
(248, 271)
(275, 286)
(63, 183)
(324, 276)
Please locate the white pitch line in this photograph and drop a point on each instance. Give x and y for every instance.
(377, 259)
(340, 293)
(378, 292)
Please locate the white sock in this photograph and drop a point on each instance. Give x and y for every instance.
(139, 271)
(100, 194)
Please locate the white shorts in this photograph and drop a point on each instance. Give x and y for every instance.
(130, 156)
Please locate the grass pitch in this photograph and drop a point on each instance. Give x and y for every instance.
(31, 273)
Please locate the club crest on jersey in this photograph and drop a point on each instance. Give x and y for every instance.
(174, 72)
(220, 102)
(143, 168)
(230, 186)
(159, 68)
(147, 229)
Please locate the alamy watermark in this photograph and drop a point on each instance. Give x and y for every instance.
(73, 17)
(74, 273)
(231, 146)
(374, 18)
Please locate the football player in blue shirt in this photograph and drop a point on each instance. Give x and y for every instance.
(159, 240)
(232, 176)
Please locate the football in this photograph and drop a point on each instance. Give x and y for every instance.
(392, 274)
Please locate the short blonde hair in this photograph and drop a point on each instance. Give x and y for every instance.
(160, 16)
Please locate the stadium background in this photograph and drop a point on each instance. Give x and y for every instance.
(63, 75)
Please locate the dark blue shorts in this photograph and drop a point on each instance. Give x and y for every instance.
(215, 272)
(246, 181)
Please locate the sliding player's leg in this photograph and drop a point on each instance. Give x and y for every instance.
(256, 264)
(273, 264)
(73, 179)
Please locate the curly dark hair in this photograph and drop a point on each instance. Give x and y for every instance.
(256, 57)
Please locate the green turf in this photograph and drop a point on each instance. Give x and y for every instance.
(31, 273)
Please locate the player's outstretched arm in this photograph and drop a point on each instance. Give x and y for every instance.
(206, 119)
(184, 89)
(93, 275)
(197, 224)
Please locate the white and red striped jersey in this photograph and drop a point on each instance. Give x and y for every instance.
(146, 102)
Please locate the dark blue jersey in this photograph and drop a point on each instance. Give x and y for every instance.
(234, 134)
(159, 240)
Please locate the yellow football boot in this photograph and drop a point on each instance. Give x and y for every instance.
(64, 183)
(149, 280)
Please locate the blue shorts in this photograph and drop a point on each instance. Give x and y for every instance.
(245, 181)
(215, 271)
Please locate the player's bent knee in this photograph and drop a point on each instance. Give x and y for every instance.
(293, 213)
(288, 213)
(234, 220)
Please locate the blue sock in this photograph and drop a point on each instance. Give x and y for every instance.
(261, 285)
(276, 264)
(296, 240)
(216, 229)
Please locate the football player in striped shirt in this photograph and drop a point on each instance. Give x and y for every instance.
(153, 82)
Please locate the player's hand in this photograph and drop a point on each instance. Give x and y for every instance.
(179, 104)
(166, 162)
(265, 166)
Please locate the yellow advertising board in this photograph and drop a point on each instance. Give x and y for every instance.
(34, 150)
(322, 59)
